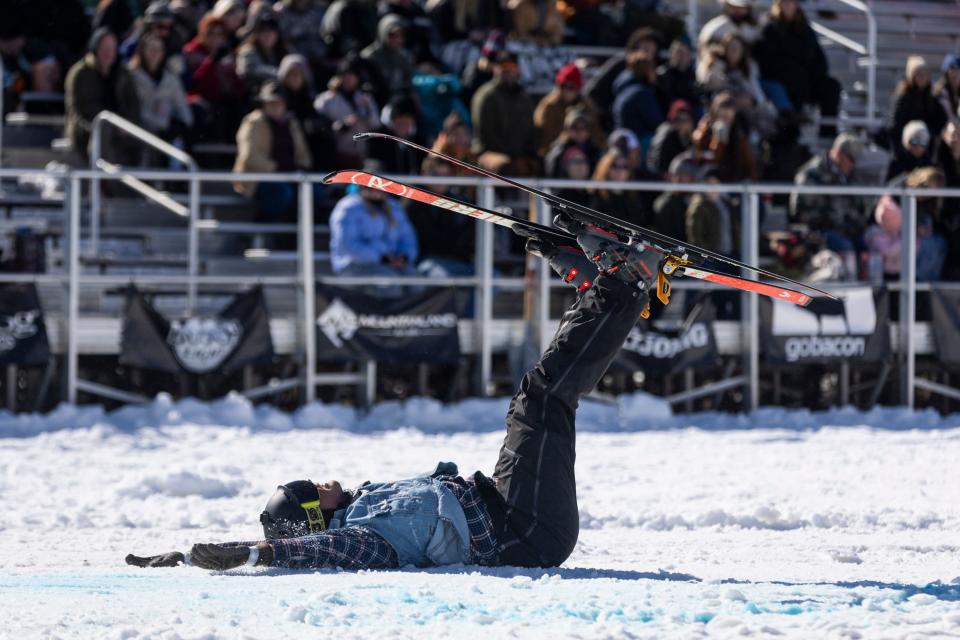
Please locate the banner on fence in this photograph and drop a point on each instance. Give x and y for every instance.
(667, 352)
(23, 334)
(946, 325)
(352, 325)
(237, 336)
(855, 327)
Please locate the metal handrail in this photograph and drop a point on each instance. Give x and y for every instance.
(485, 282)
(97, 161)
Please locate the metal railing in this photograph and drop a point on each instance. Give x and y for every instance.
(97, 161)
(483, 282)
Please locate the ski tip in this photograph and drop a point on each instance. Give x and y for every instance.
(328, 179)
(366, 134)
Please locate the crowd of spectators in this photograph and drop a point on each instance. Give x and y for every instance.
(289, 82)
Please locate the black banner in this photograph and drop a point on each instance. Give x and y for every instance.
(352, 325)
(664, 353)
(855, 327)
(237, 336)
(946, 325)
(23, 334)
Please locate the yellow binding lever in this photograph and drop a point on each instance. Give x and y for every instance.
(670, 265)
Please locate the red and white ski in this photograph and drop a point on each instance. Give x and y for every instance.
(528, 229)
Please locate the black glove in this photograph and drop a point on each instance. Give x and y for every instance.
(218, 557)
(171, 559)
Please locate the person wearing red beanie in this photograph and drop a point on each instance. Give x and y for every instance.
(564, 98)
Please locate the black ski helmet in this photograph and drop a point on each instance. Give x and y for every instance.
(294, 510)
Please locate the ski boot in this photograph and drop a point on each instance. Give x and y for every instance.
(636, 264)
(569, 262)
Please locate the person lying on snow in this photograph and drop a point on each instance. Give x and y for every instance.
(526, 515)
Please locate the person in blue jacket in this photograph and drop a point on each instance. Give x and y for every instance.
(370, 235)
(525, 514)
(636, 105)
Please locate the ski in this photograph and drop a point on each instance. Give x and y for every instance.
(528, 229)
(685, 254)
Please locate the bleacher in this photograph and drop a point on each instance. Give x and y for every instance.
(141, 238)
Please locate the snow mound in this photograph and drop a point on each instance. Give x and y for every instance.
(184, 483)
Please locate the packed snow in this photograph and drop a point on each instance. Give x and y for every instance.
(776, 524)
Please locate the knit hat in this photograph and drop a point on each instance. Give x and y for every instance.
(950, 61)
(157, 11)
(400, 106)
(97, 37)
(292, 61)
(849, 145)
(270, 92)
(677, 107)
(916, 132)
(888, 215)
(569, 74)
(914, 64)
(623, 139)
(684, 164)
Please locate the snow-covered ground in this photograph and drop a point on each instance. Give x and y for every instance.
(778, 524)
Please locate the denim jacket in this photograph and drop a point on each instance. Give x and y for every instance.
(420, 518)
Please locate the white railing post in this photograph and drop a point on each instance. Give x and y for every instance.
(308, 283)
(73, 289)
(193, 242)
(483, 312)
(872, 68)
(908, 301)
(3, 118)
(96, 150)
(544, 274)
(693, 21)
(750, 308)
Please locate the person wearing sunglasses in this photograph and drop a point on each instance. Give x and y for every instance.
(525, 514)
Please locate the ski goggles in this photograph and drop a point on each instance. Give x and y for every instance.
(315, 520)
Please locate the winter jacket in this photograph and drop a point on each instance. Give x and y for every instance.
(395, 66)
(358, 236)
(904, 163)
(712, 225)
(256, 67)
(161, 102)
(439, 96)
(392, 157)
(886, 245)
(670, 214)
(789, 53)
(300, 29)
(88, 93)
(550, 113)
(535, 20)
(553, 161)
(733, 155)
(823, 212)
(678, 84)
(665, 146)
(714, 76)
(599, 88)
(337, 105)
(950, 104)
(348, 26)
(636, 106)
(913, 104)
(255, 144)
(212, 79)
(503, 120)
(421, 518)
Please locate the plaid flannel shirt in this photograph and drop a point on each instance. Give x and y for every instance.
(358, 547)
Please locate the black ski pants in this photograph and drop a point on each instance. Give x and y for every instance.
(534, 474)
